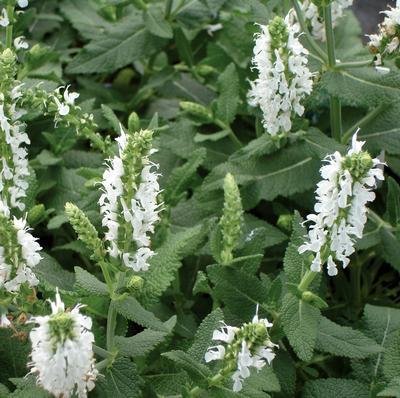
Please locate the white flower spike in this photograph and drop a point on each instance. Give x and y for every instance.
(62, 356)
(341, 208)
(283, 79)
(246, 347)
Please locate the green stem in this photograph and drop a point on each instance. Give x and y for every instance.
(335, 106)
(101, 352)
(106, 274)
(305, 282)
(310, 40)
(9, 28)
(363, 122)
(102, 365)
(140, 4)
(376, 219)
(356, 64)
(195, 391)
(168, 8)
(112, 314)
(232, 135)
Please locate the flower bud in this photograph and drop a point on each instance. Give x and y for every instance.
(133, 122)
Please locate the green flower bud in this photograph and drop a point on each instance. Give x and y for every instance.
(61, 327)
(204, 70)
(278, 31)
(231, 219)
(358, 164)
(133, 122)
(36, 215)
(135, 283)
(196, 110)
(85, 230)
(8, 56)
(285, 222)
(314, 300)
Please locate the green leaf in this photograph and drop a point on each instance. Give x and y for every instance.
(393, 201)
(228, 101)
(392, 389)
(120, 381)
(27, 388)
(154, 20)
(131, 309)
(52, 275)
(89, 283)
(183, 46)
(391, 359)
(333, 388)
(84, 18)
(390, 245)
(203, 337)
(122, 44)
(111, 117)
(363, 87)
(189, 364)
(300, 322)
(182, 176)
(140, 344)
(286, 172)
(240, 291)
(344, 341)
(168, 260)
(294, 263)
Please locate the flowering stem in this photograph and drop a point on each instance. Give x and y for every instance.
(310, 40)
(305, 282)
(335, 107)
(232, 135)
(9, 28)
(112, 314)
(101, 352)
(363, 122)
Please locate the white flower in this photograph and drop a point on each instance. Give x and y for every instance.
(4, 21)
(20, 43)
(341, 206)
(247, 347)
(4, 321)
(23, 3)
(62, 356)
(69, 98)
(283, 76)
(316, 21)
(139, 215)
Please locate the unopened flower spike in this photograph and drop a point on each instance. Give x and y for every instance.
(129, 203)
(231, 219)
(62, 355)
(19, 253)
(341, 206)
(284, 79)
(314, 17)
(242, 349)
(386, 43)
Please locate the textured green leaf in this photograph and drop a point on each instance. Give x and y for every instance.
(122, 44)
(120, 381)
(362, 86)
(189, 364)
(391, 359)
(131, 309)
(300, 322)
(111, 117)
(289, 171)
(228, 101)
(84, 18)
(333, 388)
(52, 275)
(344, 341)
(203, 337)
(393, 201)
(168, 260)
(154, 20)
(140, 344)
(89, 283)
(390, 245)
(392, 389)
(27, 388)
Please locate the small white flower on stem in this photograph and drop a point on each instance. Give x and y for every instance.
(23, 3)
(21, 43)
(4, 21)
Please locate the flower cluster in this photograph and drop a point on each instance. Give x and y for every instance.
(13, 154)
(19, 253)
(313, 15)
(246, 347)
(62, 356)
(386, 43)
(283, 76)
(129, 203)
(341, 211)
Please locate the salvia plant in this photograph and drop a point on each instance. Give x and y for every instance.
(199, 198)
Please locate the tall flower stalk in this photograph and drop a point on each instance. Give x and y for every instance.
(284, 79)
(129, 203)
(341, 207)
